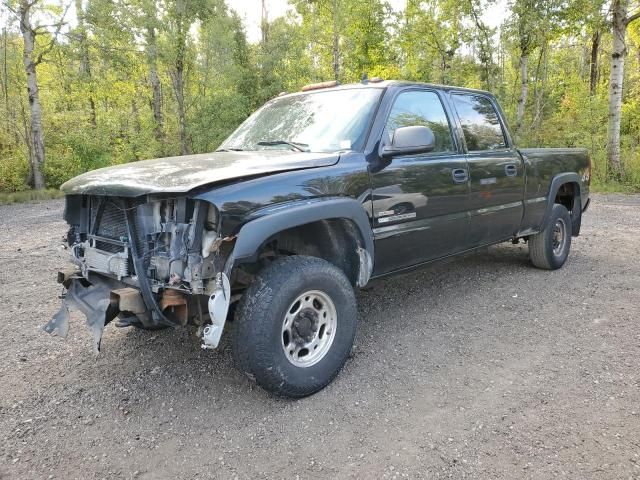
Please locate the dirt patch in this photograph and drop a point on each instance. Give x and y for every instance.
(479, 368)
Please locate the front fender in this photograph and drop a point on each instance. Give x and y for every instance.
(266, 222)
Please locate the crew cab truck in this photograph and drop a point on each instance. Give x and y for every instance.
(314, 195)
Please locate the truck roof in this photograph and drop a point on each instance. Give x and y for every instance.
(393, 83)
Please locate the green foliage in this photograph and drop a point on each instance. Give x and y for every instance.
(79, 153)
(29, 196)
(14, 169)
(217, 117)
(97, 81)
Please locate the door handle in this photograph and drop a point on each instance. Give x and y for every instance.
(511, 170)
(460, 175)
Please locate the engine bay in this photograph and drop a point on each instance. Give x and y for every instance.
(150, 262)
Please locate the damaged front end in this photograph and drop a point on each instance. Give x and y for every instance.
(151, 262)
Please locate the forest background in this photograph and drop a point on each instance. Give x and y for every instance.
(90, 83)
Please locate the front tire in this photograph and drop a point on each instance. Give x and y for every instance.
(295, 326)
(549, 249)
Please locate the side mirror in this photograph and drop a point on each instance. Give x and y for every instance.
(410, 140)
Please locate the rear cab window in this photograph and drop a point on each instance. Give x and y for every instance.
(480, 122)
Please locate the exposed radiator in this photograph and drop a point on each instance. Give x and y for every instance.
(107, 262)
(108, 219)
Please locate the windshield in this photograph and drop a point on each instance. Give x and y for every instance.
(325, 121)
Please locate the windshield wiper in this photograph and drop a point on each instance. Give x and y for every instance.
(229, 150)
(295, 145)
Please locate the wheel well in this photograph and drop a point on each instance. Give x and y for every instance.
(334, 240)
(566, 195)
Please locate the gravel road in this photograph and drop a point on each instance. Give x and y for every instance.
(483, 367)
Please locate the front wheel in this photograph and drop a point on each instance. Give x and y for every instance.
(549, 249)
(295, 326)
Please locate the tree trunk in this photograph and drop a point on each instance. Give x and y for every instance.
(619, 23)
(156, 86)
(445, 65)
(524, 88)
(540, 88)
(618, 53)
(85, 65)
(484, 48)
(36, 134)
(182, 123)
(593, 67)
(336, 42)
(137, 126)
(485, 60)
(25, 134)
(178, 74)
(264, 24)
(5, 71)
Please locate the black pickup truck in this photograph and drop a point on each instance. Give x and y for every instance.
(314, 195)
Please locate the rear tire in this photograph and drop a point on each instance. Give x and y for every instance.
(295, 326)
(549, 249)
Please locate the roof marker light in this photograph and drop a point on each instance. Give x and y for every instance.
(318, 86)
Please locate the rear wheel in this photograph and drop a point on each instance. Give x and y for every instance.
(549, 249)
(295, 326)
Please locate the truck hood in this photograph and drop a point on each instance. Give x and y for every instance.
(182, 174)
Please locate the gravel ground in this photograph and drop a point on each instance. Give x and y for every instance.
(482, 367)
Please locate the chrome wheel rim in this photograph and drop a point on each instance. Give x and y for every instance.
(559, 237)
(308, 328)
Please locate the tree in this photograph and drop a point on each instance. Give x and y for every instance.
(588, 16)
(483, 36)
(366, 39)
(525, 19)
(32, 57)
(264, 23)
(548, 27)
(324, 21)
(232, 77)
(85, 63)
(432, 34)
(282, 62)
(135, 79)
(596, 37)
(620, 19)
(150, 32)
(181, 19)
(5, 71)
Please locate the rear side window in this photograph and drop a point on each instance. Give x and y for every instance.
(424, 108)
(480, 123)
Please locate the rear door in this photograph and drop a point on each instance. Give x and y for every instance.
(419, 201)
(496, 171)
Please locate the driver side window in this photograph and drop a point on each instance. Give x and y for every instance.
(421, 108)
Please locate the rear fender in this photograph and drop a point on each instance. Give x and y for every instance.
(576, 214)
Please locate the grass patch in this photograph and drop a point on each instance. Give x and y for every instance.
(613, 187)
(29, 196)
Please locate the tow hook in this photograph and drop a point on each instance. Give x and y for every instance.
(218, 306)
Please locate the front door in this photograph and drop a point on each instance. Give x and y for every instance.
(419, 201)
(496, 171)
